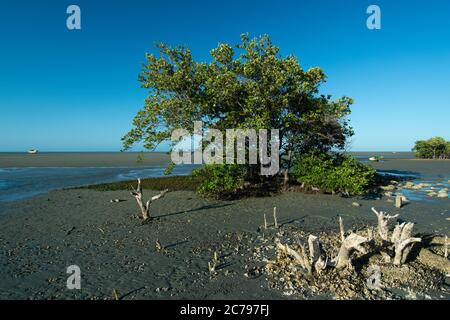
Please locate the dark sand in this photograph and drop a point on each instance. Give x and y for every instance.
(41, 237)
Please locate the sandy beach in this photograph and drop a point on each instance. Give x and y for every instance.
(40, 237)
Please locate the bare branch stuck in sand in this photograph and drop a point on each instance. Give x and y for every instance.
(341, 229)
(275, 221)
(145, 207)
(446, 247)
(265, 222)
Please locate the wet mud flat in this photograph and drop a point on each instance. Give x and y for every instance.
(119, 257)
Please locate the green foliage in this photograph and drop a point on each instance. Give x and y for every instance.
(338, 173)
(434, 148)
(248, 85)
(220, 181)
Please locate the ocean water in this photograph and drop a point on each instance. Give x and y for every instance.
(22, 183)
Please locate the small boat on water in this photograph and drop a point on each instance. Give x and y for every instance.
(32, 151)
(374, 159)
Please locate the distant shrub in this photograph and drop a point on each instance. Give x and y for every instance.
(336, 173)
(434, 148)
(220, 181)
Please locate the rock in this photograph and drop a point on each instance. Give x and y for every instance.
(432, 194)
(442, 194)
(409, 184)
(388, 188)
(356, 204)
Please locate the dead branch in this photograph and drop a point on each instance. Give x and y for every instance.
(403, 241)
(275, 220)
(145, 207)
(341, 228)
(383, 220)
(298, 258)
(446, 248)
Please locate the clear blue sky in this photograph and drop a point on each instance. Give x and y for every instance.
(64, 90)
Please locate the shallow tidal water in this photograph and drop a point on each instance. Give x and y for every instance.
(22, 183)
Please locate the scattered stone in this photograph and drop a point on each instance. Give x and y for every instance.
(409, 184)
(388, 188)
(442, 194)
(356, 204)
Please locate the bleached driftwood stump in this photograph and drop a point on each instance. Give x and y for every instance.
(401, 240)
(349, 244)
(383, 221)
(310, 262)
(145, 206)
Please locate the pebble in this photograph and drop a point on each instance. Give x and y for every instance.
(356, 204)
(442, 194)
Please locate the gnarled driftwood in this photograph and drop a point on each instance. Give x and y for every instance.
(312, 261)
(383, 220)
(351, 243)
(145, 206)
(403, 241)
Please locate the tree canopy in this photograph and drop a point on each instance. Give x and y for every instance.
(246, 86)
(433, 148)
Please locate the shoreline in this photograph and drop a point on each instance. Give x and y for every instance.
(122, 159)
(83, 159)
